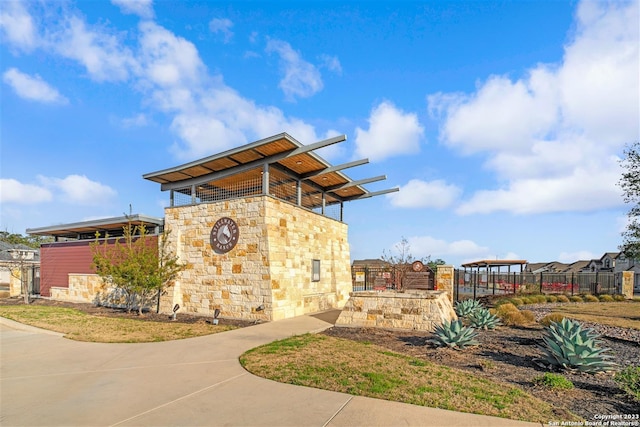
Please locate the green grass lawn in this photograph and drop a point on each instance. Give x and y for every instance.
(622, 314)
(367, 370)
(80, 326)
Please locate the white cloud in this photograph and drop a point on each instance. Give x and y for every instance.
(392, 132)
(207, 115)
(301, 78)
(423, 246)
(553, 136)
(168, 61)
(425, 194)
(32, 87)
(139, 120)
(222, 26)
(101, 53)
(142, 8)
(79, 189)
(571, 257)
(17, 25)
(13, 191)
(332, 63)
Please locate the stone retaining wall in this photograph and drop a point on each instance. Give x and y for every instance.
(82, 288)
(409, 310)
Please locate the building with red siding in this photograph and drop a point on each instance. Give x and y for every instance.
(70, 253)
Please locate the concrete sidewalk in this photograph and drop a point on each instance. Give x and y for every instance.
(47, 380)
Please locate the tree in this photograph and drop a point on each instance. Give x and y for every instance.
(17, 262)
(630, 184)
(136, 267)
(433, 265)
(401, 260)
(19, 239)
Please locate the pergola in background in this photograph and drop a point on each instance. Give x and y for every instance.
(279, 166)
(490, 264)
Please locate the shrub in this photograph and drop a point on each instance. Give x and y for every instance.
(562, 298)
(466, 307)
(528, 300)
(629, 380)
(528, 315)
(484, 319)
(504, 308)
(516, 301)
(591, 298)
(569, 346)
(553, 317)
(605, 298)
(553, 381)
(619, 297)
(454, 335)
(541, 299)
(552, 298)
(511, 316)
(576, 298)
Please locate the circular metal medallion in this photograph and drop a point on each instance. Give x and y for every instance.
(224, 235)
(417, 266)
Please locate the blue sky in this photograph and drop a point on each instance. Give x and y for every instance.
(502, 122)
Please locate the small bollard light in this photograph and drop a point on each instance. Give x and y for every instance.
(175, 310)
(216, 313)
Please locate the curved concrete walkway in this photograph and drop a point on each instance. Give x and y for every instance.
(47, 380)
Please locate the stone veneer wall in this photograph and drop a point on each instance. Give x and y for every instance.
(82, 288)
(269, 266)
(444, 280)
(409, 310)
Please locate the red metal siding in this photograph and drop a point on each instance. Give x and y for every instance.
(57, 260)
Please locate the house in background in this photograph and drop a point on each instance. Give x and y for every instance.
(18, 263)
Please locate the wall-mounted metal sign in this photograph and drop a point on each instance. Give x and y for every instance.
(224, 235)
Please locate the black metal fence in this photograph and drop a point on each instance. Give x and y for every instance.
(369, 278)
(473, 284)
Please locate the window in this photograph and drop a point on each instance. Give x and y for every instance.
(315, 271)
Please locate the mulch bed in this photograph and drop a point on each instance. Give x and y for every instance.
(512, 355)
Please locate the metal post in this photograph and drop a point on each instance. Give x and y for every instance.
(298, 193)
(494, 282)
(541, 282)
(193, 194)
(171, 198)
(265, 179)
(572, 282)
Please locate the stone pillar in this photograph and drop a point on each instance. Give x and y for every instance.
(628, 277)
(444, 280)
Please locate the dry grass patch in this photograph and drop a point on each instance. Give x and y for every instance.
(367, 370)
(620, 314)
(80, 326)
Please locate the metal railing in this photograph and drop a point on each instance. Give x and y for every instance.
(473, 284)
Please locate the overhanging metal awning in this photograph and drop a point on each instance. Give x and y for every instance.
(278, 165)
(85, 228)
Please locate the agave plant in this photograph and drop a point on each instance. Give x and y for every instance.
(483, 319)
(454, 334)
(571, 346)
(466, 307)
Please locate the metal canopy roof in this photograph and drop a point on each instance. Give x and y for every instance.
(487, 263)
(285, 155)
(75, 229)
